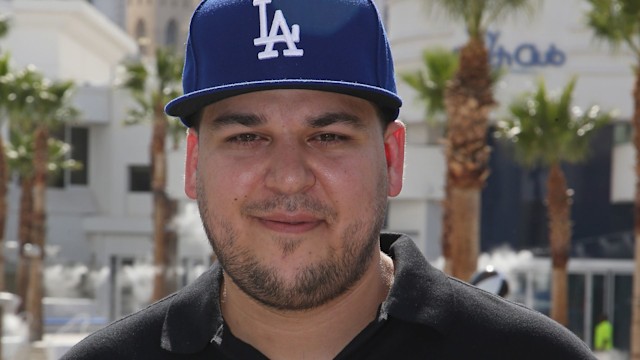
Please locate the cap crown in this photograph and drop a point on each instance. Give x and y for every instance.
(239, 46)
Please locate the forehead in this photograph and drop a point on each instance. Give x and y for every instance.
(291, 104)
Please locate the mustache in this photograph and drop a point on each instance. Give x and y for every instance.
(290, 203)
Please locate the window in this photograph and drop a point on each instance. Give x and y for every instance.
(171, 33)
(80, 152)
(139, 178)
(141, 36)
(622, 132)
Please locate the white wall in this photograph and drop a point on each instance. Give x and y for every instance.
(561, 24)
(424, 166)
(622, 174)
(66, 39)
(113, 9)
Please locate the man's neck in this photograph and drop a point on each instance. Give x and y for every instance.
(320, 333)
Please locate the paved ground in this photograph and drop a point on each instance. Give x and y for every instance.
(30, 353)
(52, 347)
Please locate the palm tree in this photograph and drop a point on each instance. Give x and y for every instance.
(152, 86)
(20, 155)
(430, 83)
(18, 95)
(16, 86)
(4, 177)
(440, 66)
(617, 22)
(4, 173)
(468, 102)
(546, 130)
(35, 105)
(54, 110)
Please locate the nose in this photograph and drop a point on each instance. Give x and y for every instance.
(289, 171)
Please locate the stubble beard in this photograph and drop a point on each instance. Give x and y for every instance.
(315, 284)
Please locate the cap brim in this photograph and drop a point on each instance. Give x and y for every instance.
(189, 104)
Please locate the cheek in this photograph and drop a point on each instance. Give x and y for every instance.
(354, 180)
(226, 182)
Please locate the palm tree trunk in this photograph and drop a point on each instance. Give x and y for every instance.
(4, 178)
(24, 238)
(34, 299)
(165, 244)
(446, 228)
(468, 101)
(559, 212)
(38, 228)
(465, 227)
(635, 321)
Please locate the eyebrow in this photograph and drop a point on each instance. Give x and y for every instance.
(336, 118)
(251, 120)
(248, 120)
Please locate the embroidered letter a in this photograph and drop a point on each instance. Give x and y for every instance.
(278, 25)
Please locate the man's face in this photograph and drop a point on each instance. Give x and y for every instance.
(292, 187)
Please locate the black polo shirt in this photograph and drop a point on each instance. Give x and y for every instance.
(427, 315)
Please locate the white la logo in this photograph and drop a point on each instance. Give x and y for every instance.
(290, 37)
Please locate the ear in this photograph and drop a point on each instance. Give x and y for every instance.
(191, 164)
(394, 144)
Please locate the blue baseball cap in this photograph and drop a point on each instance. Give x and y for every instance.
(240, 46)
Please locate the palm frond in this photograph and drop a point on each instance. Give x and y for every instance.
(546, 129)
(152, 85)
(4, 25)
(168, 66)
(137, 115)
(58, 157)
(135, 77)
(4, 64)
(478, 15)
(499, 11)
(430, 83)
(615, 22)
(20, 153)
(28, 99)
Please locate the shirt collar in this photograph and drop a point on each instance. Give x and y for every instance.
(194, 318)
(419, 294)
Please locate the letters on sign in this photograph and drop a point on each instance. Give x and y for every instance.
(524, 55)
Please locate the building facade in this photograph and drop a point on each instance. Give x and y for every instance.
(158, 23)
(101, 217)
(555, 45)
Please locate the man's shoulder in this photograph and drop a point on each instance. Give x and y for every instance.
(134, 336)
(487, 317)
(471, 322)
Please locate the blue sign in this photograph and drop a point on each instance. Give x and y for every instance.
(524, 55)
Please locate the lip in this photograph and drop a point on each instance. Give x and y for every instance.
(291, 224)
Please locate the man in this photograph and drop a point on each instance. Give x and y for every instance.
(292, 151)
(603, 334)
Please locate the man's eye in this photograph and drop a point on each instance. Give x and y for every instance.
(244, 138)
(327, 138)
